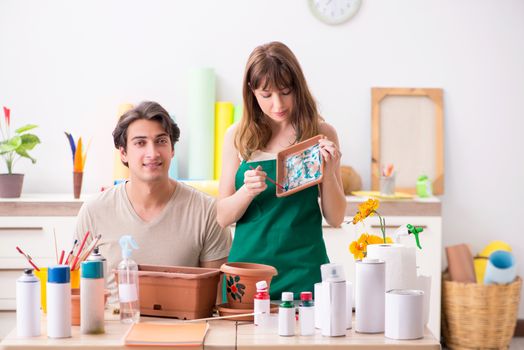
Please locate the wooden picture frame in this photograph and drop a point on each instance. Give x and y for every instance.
(407, 130)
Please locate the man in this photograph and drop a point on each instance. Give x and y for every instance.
(172, 223)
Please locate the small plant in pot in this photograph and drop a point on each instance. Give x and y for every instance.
(13, 147)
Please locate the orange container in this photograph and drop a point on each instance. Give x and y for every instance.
(177, 291)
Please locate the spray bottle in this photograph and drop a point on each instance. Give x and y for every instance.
(128, 282)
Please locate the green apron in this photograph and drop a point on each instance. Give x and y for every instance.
(282, 232)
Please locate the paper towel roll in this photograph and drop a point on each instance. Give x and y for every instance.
(349, 304)
(401, 266)
(424, 284)
(223, 120)
(404, 314)
(201, 115)
(370, 289)
(120, 171)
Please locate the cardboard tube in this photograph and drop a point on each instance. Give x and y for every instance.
(201, 115)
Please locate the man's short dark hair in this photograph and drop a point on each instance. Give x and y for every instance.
(146, 110)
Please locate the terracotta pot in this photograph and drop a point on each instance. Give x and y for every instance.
(11, 185)
(77, 183)
(241, 279)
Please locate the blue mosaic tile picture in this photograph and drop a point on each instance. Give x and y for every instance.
(302, 168)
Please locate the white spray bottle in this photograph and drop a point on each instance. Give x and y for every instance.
(128, 282)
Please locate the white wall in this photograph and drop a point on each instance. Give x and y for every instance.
(66, 65)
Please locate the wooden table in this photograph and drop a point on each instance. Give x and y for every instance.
(222, 335)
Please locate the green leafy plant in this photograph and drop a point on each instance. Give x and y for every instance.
(14, 147)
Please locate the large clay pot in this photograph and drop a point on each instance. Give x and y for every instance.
(11, 185)
(241, 279)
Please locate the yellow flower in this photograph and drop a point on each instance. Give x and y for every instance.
(368, 208)
(357, 218)
(358, 248)
(378, 240)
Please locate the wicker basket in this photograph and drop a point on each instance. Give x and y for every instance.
(477, 316)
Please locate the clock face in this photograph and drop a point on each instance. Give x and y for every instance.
(334, 11)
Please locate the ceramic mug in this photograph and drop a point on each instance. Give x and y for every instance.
(501, 268)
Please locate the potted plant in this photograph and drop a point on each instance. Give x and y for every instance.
(12, 148)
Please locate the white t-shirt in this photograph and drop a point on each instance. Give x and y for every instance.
(185, 233)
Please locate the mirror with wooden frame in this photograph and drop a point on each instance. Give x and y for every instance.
(407, 131)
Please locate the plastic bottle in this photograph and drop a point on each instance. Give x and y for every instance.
(97, 256)
(128, 282)
(92, 297)
(261, 304)
(28, 305)
(286, 315)
(306, 314)
(59, 301)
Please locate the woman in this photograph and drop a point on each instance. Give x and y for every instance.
(286, 233)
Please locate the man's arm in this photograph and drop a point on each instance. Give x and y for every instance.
(215, 264)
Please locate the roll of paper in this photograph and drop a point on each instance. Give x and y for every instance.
(201, 115)
(239, 110)
(223, 120)
(120, 171)
(424, 284)
(370, 289)
(349, 304)
(404, 314)
(173, 167)
(401, 267)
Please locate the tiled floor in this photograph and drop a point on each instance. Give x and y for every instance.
(8, 321)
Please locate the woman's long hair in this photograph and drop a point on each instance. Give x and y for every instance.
(276, 67)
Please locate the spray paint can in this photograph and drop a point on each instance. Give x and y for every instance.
(92, 298)
(28, 305)
(58, 301)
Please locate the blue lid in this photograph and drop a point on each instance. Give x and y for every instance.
(58, 274)
(92, 269)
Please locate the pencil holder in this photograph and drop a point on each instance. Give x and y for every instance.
(387, 185)
(75, 279)
(42, 276)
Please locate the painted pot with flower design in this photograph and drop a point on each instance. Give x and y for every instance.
(241, 279)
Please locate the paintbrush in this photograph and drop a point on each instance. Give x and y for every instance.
(271, 180)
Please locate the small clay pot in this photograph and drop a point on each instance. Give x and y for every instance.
(241, 279)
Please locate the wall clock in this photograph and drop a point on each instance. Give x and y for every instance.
(334, 11)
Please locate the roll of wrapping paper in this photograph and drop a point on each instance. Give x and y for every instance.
(239, 110)
(223, 120)
(209, 187)
(120, 171)
(173, 167)
(201, 115)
